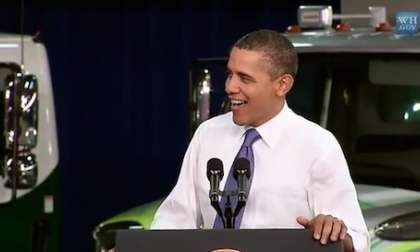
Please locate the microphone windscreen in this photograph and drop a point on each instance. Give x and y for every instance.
(241, 166)
(214, 166)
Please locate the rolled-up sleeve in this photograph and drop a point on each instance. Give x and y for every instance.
(331, 191)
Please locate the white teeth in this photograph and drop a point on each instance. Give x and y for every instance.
(237, 102)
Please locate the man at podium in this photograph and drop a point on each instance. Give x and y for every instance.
(298, 176)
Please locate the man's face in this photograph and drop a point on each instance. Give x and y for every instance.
(255, 98)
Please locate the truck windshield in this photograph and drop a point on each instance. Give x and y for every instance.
(371, 103)
(373, 110)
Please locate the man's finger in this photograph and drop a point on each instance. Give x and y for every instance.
(326, 229)
(336, 230)
(317, 224)
(343, 232)
(303, 221)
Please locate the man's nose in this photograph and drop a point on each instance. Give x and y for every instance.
(231, 86)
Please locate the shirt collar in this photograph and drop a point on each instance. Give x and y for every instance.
(272, 130)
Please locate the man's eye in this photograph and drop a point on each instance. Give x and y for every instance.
(245, 79)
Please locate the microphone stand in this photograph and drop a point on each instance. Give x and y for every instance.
(230, 223)
(227, 216)
(215, 204)
(238, 208)
(241, 173)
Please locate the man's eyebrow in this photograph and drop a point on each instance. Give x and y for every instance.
(245, 75)
(241, 74)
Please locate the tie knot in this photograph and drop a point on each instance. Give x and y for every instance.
(251, 135)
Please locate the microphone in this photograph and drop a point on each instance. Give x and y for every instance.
(241, 173)
(214, 175)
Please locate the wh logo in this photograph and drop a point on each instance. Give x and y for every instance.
(407, 22)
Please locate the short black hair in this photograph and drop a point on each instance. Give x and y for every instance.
(278, 50)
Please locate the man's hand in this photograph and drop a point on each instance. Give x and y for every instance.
(327, 228)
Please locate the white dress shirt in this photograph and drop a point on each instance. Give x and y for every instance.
(300, 170)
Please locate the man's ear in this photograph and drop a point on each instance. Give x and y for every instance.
(285, 83)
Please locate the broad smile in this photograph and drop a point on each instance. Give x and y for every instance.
(235, 104)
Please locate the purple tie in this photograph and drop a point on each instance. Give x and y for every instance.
(251, 135)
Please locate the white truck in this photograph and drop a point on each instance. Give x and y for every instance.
(30, 212)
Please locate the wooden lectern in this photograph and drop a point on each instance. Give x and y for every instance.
(243, 240)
